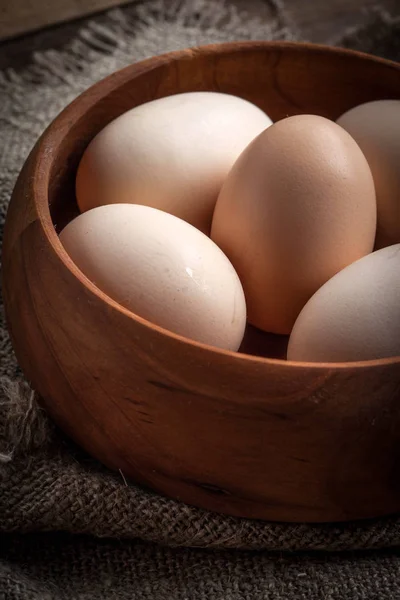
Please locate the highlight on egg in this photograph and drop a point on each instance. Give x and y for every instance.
(162, 269)
(172, 153)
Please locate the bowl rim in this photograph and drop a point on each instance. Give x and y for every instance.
(54, 134)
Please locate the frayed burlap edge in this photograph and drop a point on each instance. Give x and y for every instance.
(47, 484)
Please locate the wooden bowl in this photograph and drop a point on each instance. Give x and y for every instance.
(240, 434)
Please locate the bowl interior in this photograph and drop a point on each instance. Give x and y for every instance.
(281, 78)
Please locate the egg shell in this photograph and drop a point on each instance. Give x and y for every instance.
(297, 207)
(376, 128)
(162, 269)
(172, 153)
(355, 316)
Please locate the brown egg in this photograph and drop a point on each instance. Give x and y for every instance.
(297, 207)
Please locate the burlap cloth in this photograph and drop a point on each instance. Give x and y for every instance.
(70, 528)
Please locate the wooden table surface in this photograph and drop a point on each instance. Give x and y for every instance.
(21, 16)
(318, 20)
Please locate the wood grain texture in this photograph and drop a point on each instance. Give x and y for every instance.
(22, 16)
(235, 433)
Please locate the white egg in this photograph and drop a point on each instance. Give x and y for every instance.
(375, 126)
(172, 153)
(162, 269)
(355, 315)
